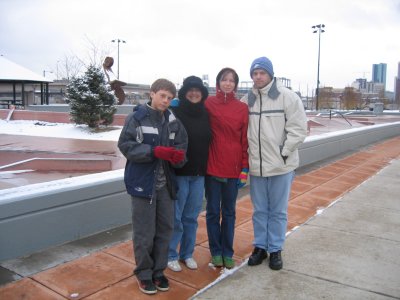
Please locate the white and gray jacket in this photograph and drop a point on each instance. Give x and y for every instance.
(277, 126)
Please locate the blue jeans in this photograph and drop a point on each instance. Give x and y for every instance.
(221, 200)
(187, 209)
(270, 196)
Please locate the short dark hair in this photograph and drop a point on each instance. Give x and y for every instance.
(226, 71)
(163, 84)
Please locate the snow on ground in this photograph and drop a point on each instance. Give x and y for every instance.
(59, 130)
(111, 133)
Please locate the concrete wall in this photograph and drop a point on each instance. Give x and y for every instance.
(38, 216)
(60, 165)
(58, 114)
(319, 147)
(42, 215)
(121, 109)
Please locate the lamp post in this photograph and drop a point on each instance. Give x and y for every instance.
(320, 29)
(118, 41)
(44, 72)
(57, 69)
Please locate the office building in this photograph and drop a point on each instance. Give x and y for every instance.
(397, 87)
(379, 73)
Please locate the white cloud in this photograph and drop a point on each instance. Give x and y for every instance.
(177, 38)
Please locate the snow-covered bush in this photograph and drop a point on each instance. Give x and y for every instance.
(90, 99)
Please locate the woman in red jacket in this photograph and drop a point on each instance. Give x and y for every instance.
(227, 166)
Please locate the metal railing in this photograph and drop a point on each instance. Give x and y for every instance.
(340, 114)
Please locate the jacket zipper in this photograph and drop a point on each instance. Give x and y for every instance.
(158, 164)
(259, 134)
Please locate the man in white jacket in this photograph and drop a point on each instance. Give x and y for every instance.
(277, 126)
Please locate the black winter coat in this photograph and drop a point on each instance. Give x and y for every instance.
(194, 118)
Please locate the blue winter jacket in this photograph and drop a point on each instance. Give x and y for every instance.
(144, 130)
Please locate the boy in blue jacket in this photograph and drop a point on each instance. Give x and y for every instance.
(153, 142)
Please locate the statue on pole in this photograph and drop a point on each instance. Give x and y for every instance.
(115, 83)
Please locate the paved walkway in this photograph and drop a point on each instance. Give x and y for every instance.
(349, 250)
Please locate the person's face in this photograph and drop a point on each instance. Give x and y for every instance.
(227, 83)
(161, 100)
(260, 78)
(194, 95)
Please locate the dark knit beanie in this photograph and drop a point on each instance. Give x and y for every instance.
(193, 82)
(262, 63)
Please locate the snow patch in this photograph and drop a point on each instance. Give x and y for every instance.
(58, 130)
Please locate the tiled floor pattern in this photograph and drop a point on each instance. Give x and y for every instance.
(107, 274)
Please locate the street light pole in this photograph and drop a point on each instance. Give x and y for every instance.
(320, 29)
(118, 41)
(57, 68)
(44, 72)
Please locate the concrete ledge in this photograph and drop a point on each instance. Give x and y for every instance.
(38, 216)
(58, 116)
(60, 164)
(123, 109)
(42, 215)
(323, 146)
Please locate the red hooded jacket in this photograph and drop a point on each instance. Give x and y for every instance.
(229, 119)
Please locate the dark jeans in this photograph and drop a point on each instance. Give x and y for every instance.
(221, 215)
(152, 230)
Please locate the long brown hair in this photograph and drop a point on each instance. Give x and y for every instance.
(225, 71)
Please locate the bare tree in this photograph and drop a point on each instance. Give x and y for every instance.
(326, 98)
(69, 67)
(351, 98)
(96, 53)
(73, 65)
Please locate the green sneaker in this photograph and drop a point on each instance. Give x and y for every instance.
(217, 261)
(229, 263)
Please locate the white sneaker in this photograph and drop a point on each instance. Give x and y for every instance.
(174, 266)
(191, 263)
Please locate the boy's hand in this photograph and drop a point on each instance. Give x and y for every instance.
(178, 157)
(169, 153)
(164, 153)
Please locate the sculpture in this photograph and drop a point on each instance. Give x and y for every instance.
(115, 83)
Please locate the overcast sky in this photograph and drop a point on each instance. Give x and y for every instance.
(178, 38)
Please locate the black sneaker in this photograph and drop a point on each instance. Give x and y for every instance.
(161, 283)
(257, 256)
(147, 286)
(275, 260)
